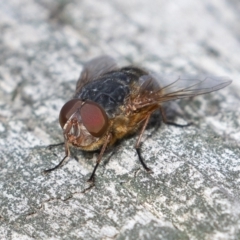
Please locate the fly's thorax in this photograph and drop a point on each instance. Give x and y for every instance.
(109, 90)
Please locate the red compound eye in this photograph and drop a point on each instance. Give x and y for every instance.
(94, 118)
(68, 109)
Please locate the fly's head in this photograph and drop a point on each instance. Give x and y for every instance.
(83, 122)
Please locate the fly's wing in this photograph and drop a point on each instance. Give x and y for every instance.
(94, 69)
(161, 89)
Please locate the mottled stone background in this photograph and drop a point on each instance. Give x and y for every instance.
(194, 190)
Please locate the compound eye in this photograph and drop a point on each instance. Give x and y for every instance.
(68, 109)
(94, 118)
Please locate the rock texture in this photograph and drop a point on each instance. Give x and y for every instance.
(194, 190)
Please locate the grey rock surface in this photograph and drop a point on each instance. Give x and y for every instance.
(194, 190)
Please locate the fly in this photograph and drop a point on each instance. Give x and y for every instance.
(111, 102)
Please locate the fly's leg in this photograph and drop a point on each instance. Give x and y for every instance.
(164, 118)
(55, 145)
(67, 154)
(137, 146)
(91, 179)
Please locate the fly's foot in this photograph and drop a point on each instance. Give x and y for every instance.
(179, 125)
(149, 170)
(91, 180)
(47, 171)
(57, 166)
(142, 161)
(54, 145)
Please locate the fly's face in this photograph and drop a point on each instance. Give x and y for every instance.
(83, 122)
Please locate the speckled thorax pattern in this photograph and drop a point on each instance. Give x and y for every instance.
(111, 89)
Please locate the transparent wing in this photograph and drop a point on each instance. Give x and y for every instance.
(161, 89)
(189, 86)
(94, 69)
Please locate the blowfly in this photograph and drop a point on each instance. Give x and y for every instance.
(111, 102)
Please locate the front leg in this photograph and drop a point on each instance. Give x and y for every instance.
(104, 147)
(67, 154)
